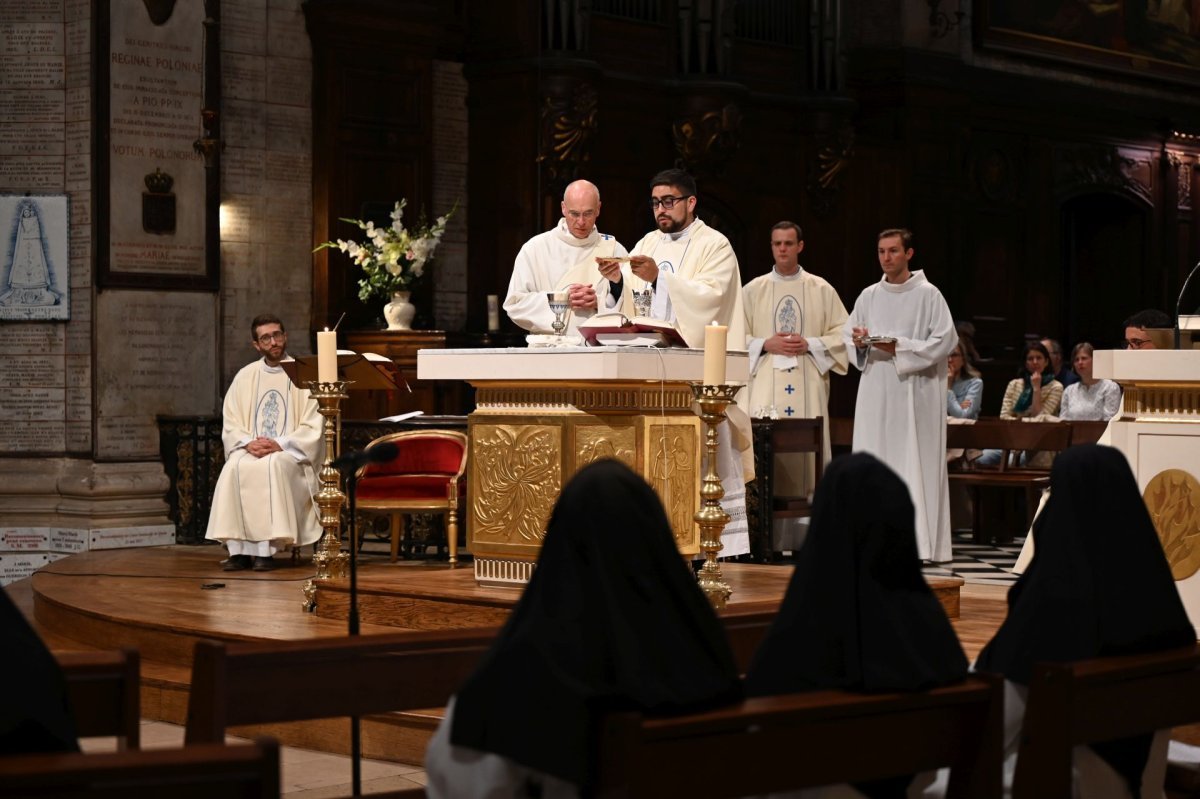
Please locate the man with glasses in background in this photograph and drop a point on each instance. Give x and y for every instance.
(693, 275)
(1140, 329)
(564, 259)
(273, 446)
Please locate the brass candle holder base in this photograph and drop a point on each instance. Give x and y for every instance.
(711, 517)
(329, 560)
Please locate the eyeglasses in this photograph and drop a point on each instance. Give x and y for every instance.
(267, 338)
(1138, 343)
(667, 202)
(575, 216)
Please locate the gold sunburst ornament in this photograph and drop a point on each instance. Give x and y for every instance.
(1173, 498)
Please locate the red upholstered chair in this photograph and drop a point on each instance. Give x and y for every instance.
(426, 475)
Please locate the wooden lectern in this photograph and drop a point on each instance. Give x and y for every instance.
(1158, 429)
(542, 414)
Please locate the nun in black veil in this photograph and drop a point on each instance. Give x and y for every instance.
(1099, 584)
(34, 716)
(611, 619)
(858, 614)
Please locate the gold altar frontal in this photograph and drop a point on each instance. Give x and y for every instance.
(543, 414)
(529, 438)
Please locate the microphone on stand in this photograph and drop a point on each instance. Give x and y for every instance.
(361, 457)
(349, 463)
(1179, 300)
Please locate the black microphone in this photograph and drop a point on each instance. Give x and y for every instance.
(361, 457)
(1179, 300)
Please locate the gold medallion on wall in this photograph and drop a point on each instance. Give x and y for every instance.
(1173, 499)
(518, 478)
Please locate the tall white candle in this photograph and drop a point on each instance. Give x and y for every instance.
(327, 371)
(714, 354)
(493, 310)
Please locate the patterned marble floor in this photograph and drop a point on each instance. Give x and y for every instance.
(980, 564)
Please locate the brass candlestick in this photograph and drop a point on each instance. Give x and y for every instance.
(711, 517)
(329, 560)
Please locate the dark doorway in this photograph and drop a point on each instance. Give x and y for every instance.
(1105, 252)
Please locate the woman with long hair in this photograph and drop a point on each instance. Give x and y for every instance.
(964, 386)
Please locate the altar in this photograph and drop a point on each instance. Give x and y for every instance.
(542, 414)
(1158, 429)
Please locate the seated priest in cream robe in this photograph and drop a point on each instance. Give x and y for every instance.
(794, 322)
(273, 447)
(693, 276)
(564, 259)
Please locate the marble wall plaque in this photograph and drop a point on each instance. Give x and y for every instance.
(155, 355)
(154, 82)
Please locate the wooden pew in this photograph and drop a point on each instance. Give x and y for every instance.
(1086, 432)
(1100, 700)
(807, 740)
(104, 693)
(1011, 438)
(198, 772)
(326, 678)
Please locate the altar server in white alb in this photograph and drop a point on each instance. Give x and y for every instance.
(794, 323)
(900, 415)
(264, 498)
(693, 274)
(564, 259)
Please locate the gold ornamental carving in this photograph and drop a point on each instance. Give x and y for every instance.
(1173, 499)
(595, 441)
(518, 478)
(674, 463)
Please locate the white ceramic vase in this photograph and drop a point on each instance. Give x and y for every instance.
(399, 312)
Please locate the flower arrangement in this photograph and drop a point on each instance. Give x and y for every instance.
(392, 257)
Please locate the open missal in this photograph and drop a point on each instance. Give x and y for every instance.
(610, 329)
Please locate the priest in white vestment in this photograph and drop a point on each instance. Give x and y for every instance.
(900, 414)
(693, 274)
(564, 259)
(794, 322)
(264, 498)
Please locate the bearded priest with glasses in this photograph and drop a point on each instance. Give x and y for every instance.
(695, 279)
(263, 500)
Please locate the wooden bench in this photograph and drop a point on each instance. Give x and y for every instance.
(1100, 700)
(806, 740)
(104, 693)
(196, 772)
(326, 678)
(1011, 438)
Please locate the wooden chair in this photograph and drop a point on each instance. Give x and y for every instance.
(805, 740)
(196, 772)
(357, 675)
(105, 694)
(776, 437)
(1100, 700)
(426, 475)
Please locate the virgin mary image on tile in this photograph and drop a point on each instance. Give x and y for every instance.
(33, 269)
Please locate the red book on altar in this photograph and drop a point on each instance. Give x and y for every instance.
(610, 329)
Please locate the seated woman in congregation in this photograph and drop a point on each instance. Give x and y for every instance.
(34, 716)
(1033, 394)
(1092, 398)
(858, 614)
(964, 386)
(612, 619)
(1098, 585)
